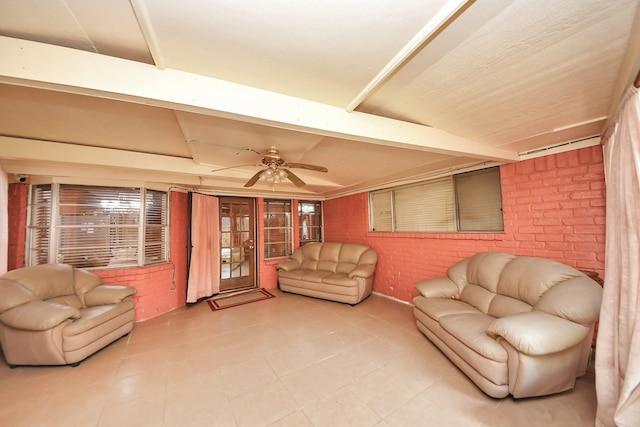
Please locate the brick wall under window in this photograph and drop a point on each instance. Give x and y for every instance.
(554, 207)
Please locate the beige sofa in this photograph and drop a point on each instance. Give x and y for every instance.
(341, 272)
(521, 326)
(55, 314)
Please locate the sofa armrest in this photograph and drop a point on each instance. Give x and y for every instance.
(38, 315)
(537, 333)
(108, 294)
(442, 287)
(362, 270)
(288, 265)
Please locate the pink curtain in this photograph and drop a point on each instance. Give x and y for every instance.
(618, 344)
(204, 271)
(4, 220)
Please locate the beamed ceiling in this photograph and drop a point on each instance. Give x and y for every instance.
(189, 94)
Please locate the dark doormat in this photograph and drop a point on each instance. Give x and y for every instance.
(222, 302)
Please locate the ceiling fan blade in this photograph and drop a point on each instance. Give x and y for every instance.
(232, 167)
(294, 178)
(306, 166)
(254, 179)
(239, 149)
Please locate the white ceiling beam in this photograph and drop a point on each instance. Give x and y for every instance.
(36, 150)
(438, 21)
(57, 68)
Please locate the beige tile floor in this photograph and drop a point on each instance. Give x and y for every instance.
(287, 361)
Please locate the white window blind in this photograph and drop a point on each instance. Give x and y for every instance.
(464, 202)
(156, 227)
(40, 224)
(92, 226)
(425, 207)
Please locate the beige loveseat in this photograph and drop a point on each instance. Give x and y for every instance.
(55, 314)
(521, 326)
(341, 272)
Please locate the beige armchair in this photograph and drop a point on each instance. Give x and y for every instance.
(55, 314)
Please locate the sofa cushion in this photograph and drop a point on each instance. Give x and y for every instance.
(537, 333)
(469, 328)
(528, 278)
(315, 276)
(14, 294)
(438, 308)
(70, 300)
(84, 281)
(458, 273)
(329, 257)
(46, 280)
(554, 301)
(108, 294)
(484, 269)
(478, 297)
(296, 273)
(95, 316)
(502, 305)
(339, 279)
(442, 287)
(38, 315)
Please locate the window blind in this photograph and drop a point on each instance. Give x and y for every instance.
(40, 223)
(479, 200)
(463, 202)
(425, 207)
(381, 215)
(156, 226)
(92, 226)
(98, 226)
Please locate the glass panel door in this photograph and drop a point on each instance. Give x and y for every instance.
(237, 243)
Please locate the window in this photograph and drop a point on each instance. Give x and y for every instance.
(310, 214)
(466, 202)
(91, 226)
(278, 229)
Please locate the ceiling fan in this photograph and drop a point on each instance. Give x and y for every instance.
(278, 170)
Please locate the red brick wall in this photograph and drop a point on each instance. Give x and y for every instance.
(554, 207)
(17, 218)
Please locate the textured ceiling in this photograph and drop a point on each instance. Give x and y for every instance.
(187, 94)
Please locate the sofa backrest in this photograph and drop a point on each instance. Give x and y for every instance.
(501, 284)
(335, 257)
(46, 281)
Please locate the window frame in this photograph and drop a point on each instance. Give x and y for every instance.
(316, 228)
(88, 209)
(386, 209)
(284, 226)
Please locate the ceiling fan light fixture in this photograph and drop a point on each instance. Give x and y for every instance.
(278, 170)
(267, 174)
(274, 175)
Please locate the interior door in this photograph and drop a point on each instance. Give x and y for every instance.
(237, 243)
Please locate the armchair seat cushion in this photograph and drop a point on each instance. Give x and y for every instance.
(91, 317)
(55, 314)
